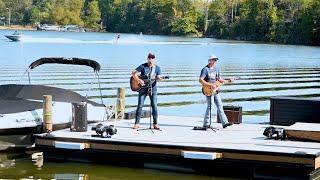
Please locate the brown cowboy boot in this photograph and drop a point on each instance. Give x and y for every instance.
(136, 126)
(156, 127)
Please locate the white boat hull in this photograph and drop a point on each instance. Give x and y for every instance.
(14, 37)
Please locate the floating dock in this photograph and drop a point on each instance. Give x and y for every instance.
(304, 131)
(237, 148)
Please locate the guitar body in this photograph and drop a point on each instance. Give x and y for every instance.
(208, 91)
(136, 86)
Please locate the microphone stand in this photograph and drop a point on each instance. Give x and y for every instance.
(149, 86)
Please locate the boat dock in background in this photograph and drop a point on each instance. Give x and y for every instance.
(66, 28)
(238, 149)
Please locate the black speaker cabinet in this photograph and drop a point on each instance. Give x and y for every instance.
(286, 111)
(233, 113)
(79, 117)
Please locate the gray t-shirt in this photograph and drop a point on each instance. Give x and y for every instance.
(210, 74)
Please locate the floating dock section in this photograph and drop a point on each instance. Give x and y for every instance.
(304, 131)
(178, 146)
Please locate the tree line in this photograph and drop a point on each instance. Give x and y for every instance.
(279, 21)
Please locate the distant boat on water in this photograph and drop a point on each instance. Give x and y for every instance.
(16, 36)
(66, 28)
(73, 28)
(46, 27)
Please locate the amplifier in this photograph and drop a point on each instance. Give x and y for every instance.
(132, 114)
(233, 113)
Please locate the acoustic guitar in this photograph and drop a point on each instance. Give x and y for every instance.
(208, 91)
(136, 86)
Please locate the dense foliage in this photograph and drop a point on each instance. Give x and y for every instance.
(281, 21)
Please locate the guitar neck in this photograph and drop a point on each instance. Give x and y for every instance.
(218, 83)
(152, 79)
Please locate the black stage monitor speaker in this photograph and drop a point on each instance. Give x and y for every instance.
(79, 117)
(286, 111)
(233, 113)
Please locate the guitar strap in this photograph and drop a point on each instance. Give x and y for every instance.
(217, 75)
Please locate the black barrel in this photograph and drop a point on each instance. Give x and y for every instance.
(79, 121)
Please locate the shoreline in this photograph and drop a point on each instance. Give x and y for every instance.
(18, 27)
(33, 28)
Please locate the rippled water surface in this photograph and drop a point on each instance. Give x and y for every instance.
(265, 70)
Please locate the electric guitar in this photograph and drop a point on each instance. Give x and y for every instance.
(136, 86)
(208, 91)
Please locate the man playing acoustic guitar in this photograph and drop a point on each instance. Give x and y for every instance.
(153, 73)
(211, 81)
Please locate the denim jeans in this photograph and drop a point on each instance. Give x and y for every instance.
(218, 103)
(143, 93)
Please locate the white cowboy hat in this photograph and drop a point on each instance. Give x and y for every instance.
(213, 57)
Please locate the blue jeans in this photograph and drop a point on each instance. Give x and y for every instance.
(143, 93)
(218, 103)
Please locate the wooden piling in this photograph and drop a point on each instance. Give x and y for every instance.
(47, 113)
(121, 93)
(120, 104)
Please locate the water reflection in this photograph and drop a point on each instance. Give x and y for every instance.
(37, 159)
(31, 165)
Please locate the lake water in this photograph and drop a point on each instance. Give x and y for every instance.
(265, 70)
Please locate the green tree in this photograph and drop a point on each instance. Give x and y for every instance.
(66, 12)
(288, 12)
(185, 20)
(2, 6)
(309, 24)
(93, 16)
(219, 19)
(18, 9)
(2, 9)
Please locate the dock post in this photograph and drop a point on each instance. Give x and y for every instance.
(47, 113)
(120, 106)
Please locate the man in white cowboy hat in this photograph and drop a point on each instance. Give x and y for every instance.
(209, 75)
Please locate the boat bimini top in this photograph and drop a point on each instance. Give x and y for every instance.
(26, 97)
(18, 98)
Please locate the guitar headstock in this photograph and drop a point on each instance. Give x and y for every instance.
(233, 79)
(165, 77)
